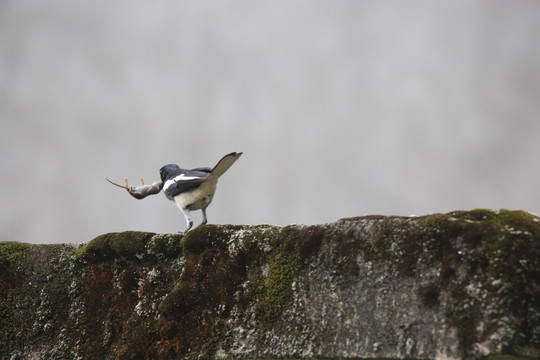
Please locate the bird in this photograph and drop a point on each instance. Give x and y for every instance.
(190, 190)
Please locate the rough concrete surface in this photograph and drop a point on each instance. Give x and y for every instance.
(460, 285)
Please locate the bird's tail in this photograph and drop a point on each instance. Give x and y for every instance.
(225, 163)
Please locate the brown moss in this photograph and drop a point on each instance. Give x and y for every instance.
(7, 308)
(465, 320)
(305, 242)
(138, 342)
(205, 292)
(429, 294)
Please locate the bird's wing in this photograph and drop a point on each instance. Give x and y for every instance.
(225, 163)
(203, 169)
(187, 180)
(141, 191)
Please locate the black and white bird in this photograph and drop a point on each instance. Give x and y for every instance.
(189, 189)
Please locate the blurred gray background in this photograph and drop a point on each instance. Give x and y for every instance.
(342, 108)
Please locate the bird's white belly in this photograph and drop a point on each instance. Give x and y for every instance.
(198, 198)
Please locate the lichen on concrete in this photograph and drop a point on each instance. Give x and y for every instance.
(460, 285)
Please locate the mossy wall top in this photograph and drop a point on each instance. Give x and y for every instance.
(447, 286)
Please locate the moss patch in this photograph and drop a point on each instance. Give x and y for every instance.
(129, 245)
(497, 247)
(11, 251)
(204, 294)
(273, 290)
(273, 274)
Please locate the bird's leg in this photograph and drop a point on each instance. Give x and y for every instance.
(204, 219)
(189, 221)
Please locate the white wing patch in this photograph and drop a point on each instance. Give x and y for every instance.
(181, 177)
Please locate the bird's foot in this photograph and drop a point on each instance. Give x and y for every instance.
(190, 225)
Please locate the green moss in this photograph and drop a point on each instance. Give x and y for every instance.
(273, 292)
(482, 214)
(465, 320)
(518, 218)
(217, 338)
(518, 225)
(436, 223)
(182, 299)
(202, 237)
(272, 271)
(515, 265)
(57, 290)
(12, 251)
(138, 340)
(194, 242)
(398, 243)
(129, 245)
(377, 247)
(502, 245)
(165, 246)
(432, 239)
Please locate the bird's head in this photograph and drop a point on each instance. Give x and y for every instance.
(168, 171)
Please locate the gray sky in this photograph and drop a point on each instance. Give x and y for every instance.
(342, 108)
